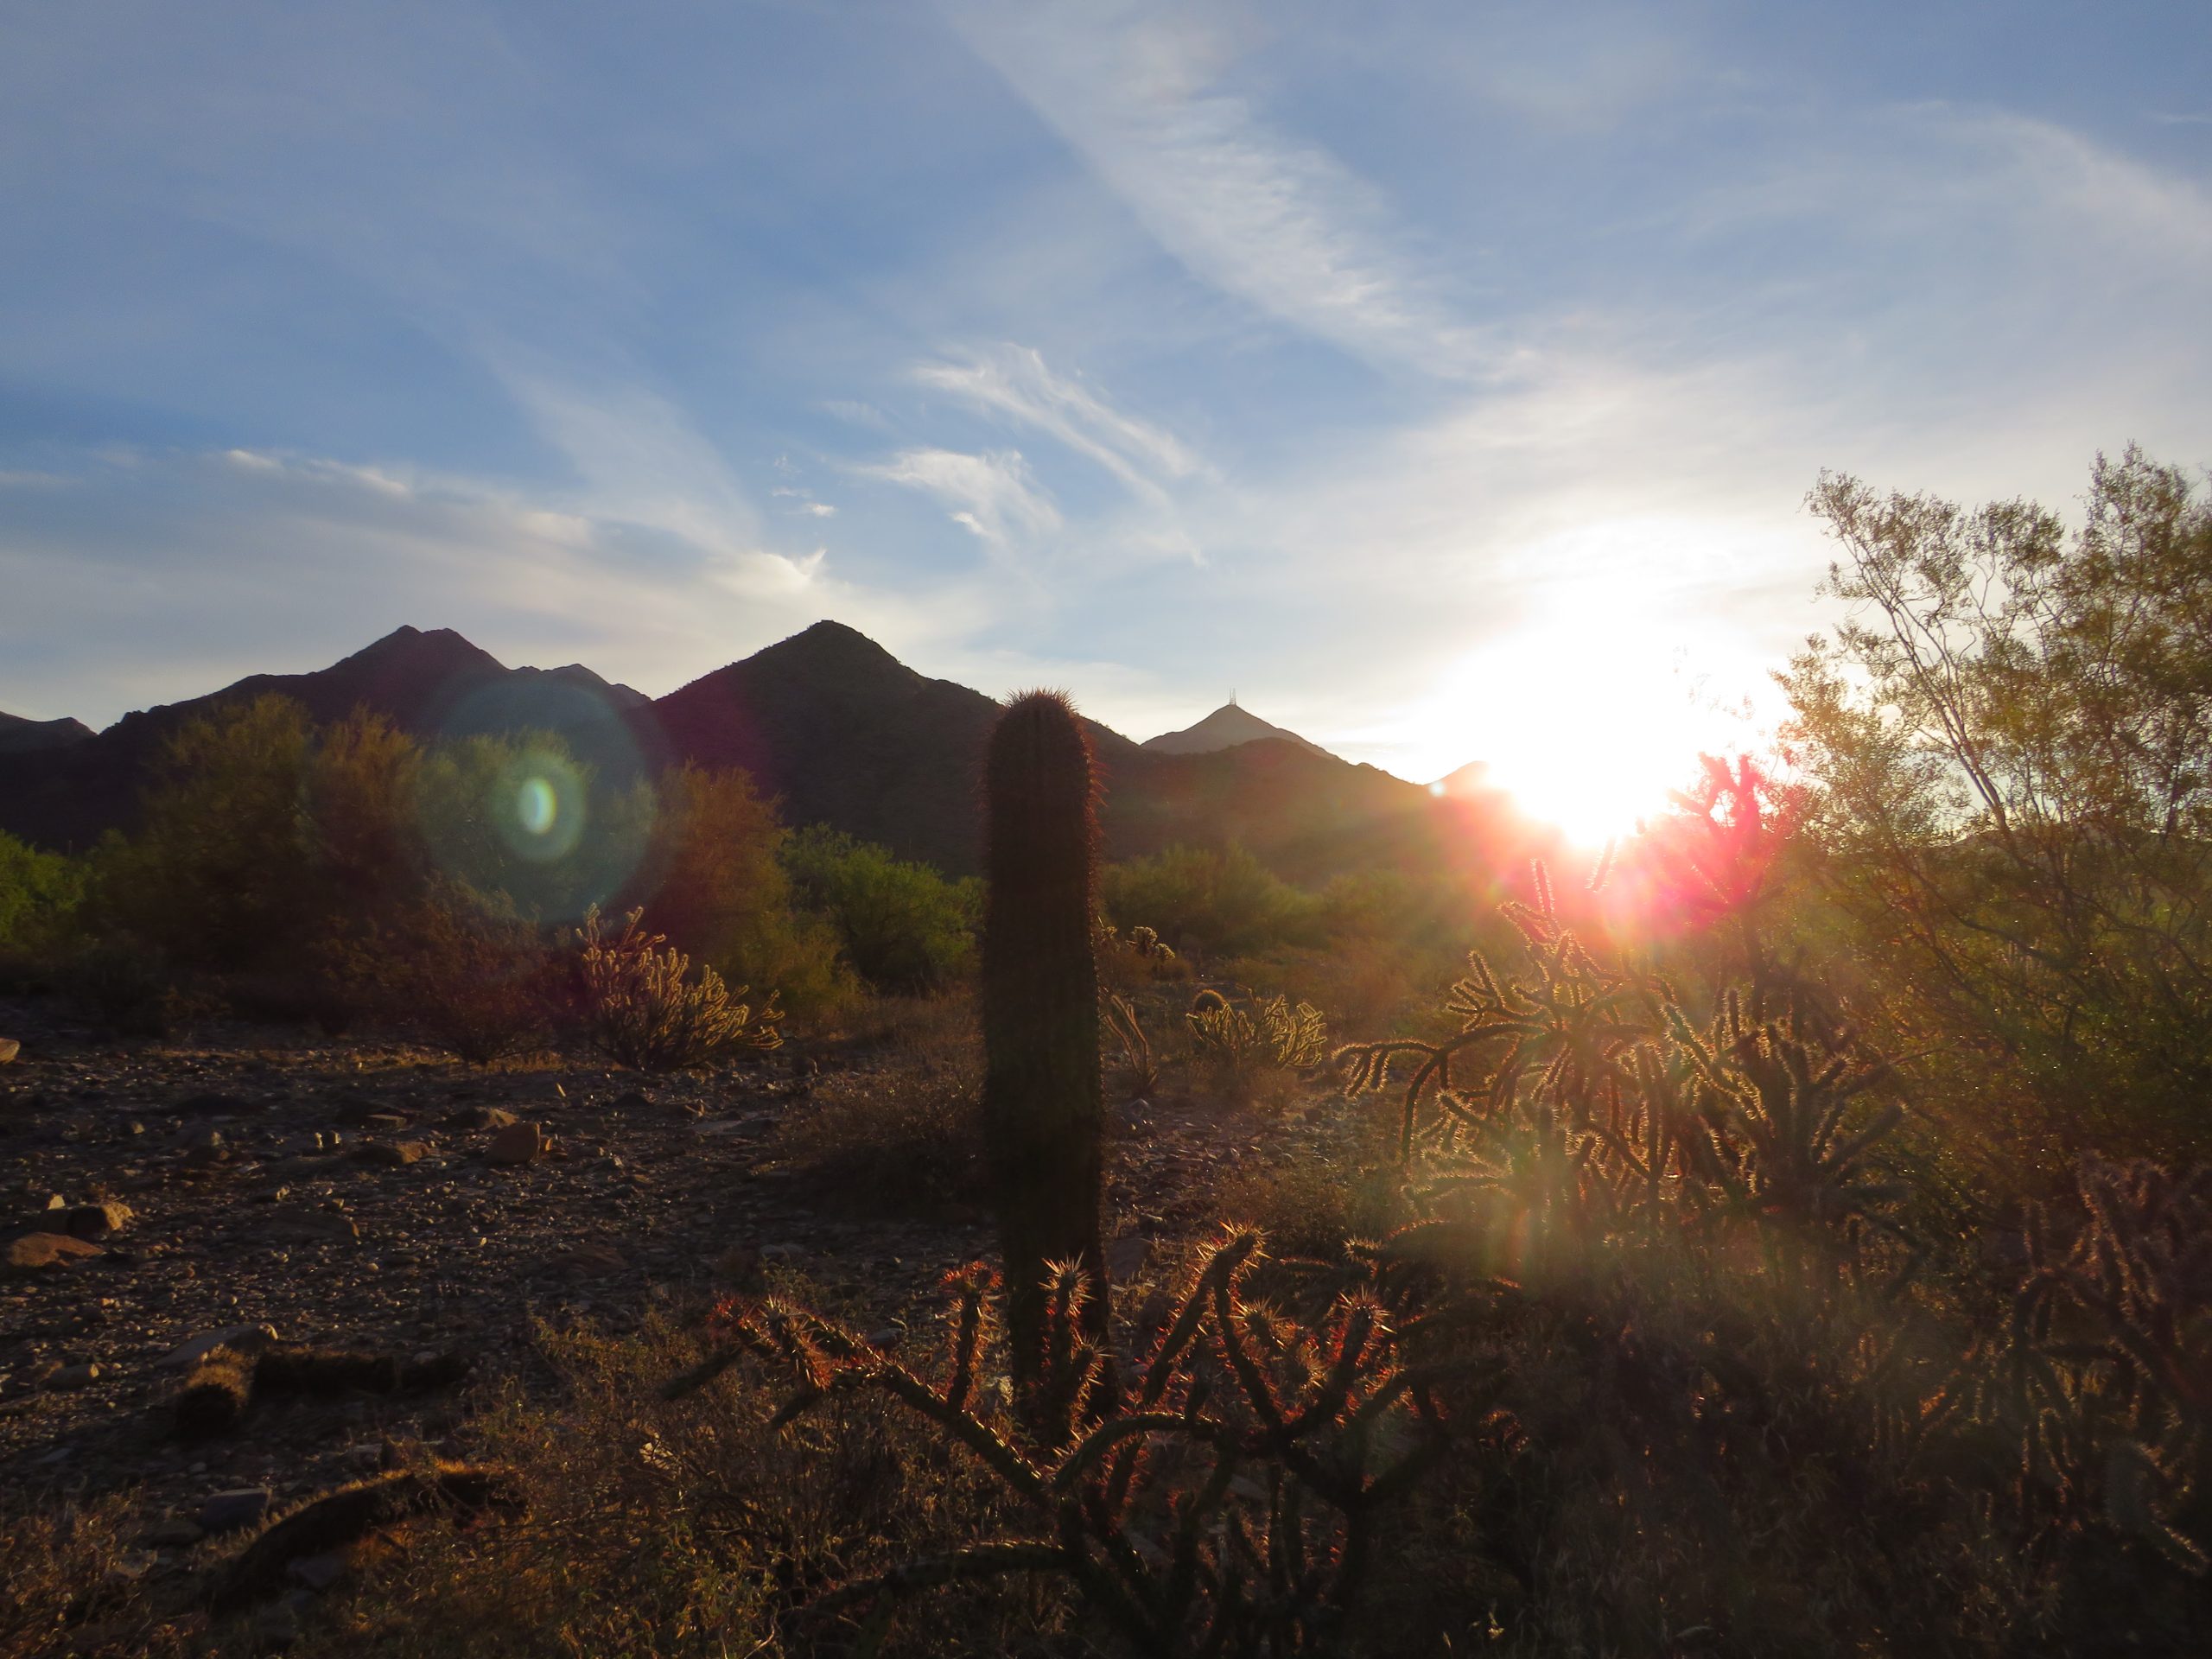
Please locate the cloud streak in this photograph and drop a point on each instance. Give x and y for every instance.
(993, 495)
(1281, 224)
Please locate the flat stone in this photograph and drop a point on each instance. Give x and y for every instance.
(234, 1510)
(173, 1533)
(320, 1572)
(38, 1252)
(517, 1143)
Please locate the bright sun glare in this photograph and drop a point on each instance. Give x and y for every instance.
(1587, 722)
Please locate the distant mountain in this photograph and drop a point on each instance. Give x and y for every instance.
(849, 737)
(834, 725)
(424, 682)
(1224, 728)
(21, 737)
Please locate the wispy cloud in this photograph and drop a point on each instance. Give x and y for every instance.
(993, 495)
(1278, 222)
(1014, 381)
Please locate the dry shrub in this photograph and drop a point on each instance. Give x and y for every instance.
(908, 1140)
(75, 1584)
(461, 971)
(664, 1532)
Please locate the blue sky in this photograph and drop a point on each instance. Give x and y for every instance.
(1394, 365)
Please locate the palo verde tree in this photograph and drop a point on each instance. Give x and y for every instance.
(1044, 1104)
(2011, 742)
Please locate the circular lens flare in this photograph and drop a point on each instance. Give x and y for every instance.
(539, 803)
(537, 807)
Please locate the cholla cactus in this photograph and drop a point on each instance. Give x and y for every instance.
(1229, 1505)
(1137, 1060)
(2107, 1374)
(1229, 1036)
(1593, 1103)
(641, 1008)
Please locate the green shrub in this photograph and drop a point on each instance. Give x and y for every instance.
(1209, 899)
(219, 875)
(719, 890)
(39, 895)
(902, 926)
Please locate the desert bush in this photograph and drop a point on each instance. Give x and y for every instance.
(2012, 811)
(638, 1004)
(906, 1140)
(718, 886)
(125, 985)
(902, 927)
(219, 875)
(39, 895)
(1209, 899)
(454, 966)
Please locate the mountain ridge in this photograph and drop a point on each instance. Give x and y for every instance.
(840, 731)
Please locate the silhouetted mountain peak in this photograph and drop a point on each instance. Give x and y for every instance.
(438, 650)
(21, 736)
(833, 646)
(1227, 727)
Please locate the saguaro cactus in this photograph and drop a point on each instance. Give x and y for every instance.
(1044, 1106)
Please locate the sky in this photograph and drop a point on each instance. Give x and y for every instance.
(1447, 379)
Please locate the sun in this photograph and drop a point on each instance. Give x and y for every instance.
(1587, 720)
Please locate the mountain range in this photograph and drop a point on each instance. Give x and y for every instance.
(828, 721)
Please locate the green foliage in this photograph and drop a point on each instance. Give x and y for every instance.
(902, 926)
(221, 874)
(1209, 899)
(1233, 1503)
(721, 893)
(2013, 803)
(40, 893)
(638, 1006)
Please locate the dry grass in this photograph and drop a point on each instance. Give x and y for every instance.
(903, 1136)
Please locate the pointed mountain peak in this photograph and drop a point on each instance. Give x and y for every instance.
(448, 651)
(1227, 727)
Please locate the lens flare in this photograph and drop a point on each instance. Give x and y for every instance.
(537, 807)
(541, 806)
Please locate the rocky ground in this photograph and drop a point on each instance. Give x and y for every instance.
(370, 1197)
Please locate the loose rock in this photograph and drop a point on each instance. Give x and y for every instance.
(517, 1143)
(39, 1252)
(98, 1220)
(234, 1510)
